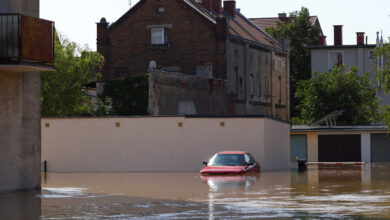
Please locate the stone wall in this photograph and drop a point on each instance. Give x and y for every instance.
(179, 94)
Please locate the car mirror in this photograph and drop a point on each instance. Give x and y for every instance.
(205, 163)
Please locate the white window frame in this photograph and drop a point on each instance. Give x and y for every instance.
(162, 31)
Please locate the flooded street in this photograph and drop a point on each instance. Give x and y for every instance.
(330, 193)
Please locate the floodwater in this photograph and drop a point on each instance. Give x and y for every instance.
(353, 192)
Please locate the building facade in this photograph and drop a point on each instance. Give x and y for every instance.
(361, 55)
(200, 39)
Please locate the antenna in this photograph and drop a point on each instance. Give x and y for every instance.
(130, 3)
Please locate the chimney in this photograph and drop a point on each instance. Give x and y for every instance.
(207, 4)
(102, 42)
(322, 41)
(338, 35)
(216, 6)
(213, 5)
(102, 27)
(283, 16)
(360, 38)
(229, 7)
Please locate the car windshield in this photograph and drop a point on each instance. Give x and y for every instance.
(227, 160)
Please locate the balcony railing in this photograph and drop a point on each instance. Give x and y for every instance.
(25, 39)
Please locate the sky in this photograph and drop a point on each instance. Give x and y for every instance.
(76, 19)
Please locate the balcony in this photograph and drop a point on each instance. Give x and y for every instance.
(26, 43)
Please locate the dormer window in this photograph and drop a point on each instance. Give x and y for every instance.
(159, 36)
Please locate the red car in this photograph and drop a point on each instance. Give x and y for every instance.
(231, 163)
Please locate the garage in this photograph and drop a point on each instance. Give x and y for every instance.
(339, 148)
(380, 148)
(298, 147)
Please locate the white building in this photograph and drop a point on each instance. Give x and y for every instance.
(361, 55)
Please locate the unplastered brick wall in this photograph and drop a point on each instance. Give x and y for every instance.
(180, 94)
(192, 40)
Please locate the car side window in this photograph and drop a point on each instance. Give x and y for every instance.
(247, 158)
(250, 158)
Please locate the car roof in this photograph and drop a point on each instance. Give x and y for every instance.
(233, 152)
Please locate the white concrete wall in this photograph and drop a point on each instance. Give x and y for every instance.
(155, 144)
(20, 115)
(277, 149)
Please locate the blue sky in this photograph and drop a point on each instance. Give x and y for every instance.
(76, 18)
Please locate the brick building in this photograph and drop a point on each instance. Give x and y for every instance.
(200, 41)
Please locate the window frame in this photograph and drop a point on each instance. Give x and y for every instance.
(330, 62)
(164, 36)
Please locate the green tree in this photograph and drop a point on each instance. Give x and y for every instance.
(337, 90)
(63, 90)
(301, 33)
(383, 77)
(125, 96)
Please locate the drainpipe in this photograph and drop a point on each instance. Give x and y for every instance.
(272, 83)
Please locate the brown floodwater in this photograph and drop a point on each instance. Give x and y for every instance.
(352, 192)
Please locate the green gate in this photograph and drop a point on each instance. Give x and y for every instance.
(298, 147)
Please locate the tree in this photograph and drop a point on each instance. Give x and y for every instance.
(383, 77)
(301, 33)
(125, 96)
(337, 90)
(63, 90)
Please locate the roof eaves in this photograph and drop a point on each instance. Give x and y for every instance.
(113, 24)
(341, 46)
(257, 43)
(259, 29)
(199, 11)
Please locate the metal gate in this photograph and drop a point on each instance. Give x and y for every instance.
(380, 147)
(298, 147)
(339, 148)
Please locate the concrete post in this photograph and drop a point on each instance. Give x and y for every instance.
(20, 115)
(366, 147)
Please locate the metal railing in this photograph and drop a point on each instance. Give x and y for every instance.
(9, 35)
(24, 38)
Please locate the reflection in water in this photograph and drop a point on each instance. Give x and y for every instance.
(325, 192)
(20, 206)
(218, 183)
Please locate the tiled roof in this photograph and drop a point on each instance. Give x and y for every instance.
(244, 28)
(267, 22)
(241, 27)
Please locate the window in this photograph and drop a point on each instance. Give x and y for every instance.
(259, 60)
(335, 58)
(251, 85)
(266, 87)
(251, 58)
(280, 89)
(236, 52)
(236, 73)
(259, 87)
(159, 36)
(266, 60)
(371, 56)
